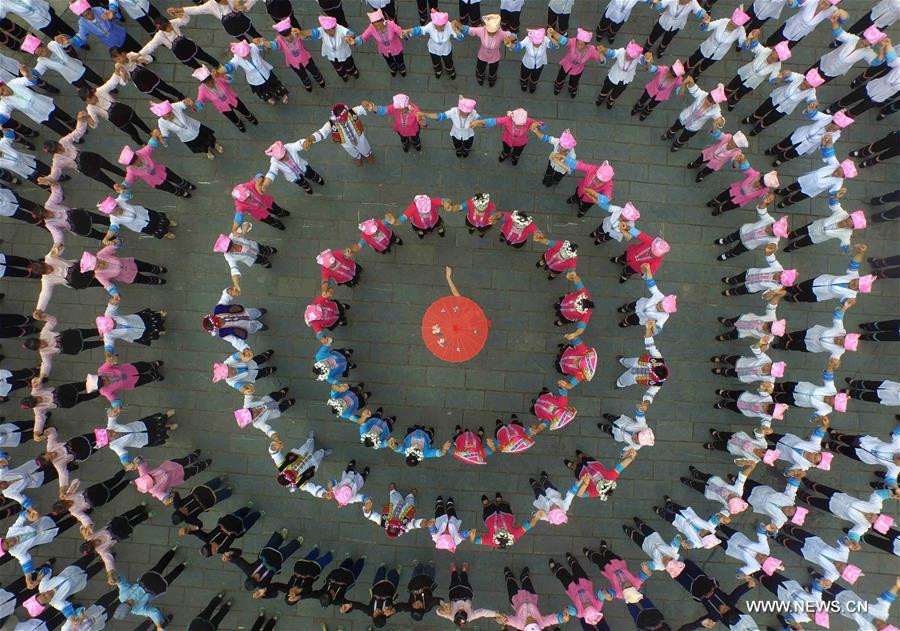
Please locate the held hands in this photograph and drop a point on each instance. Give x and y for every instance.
(770, 249)
(369, 105)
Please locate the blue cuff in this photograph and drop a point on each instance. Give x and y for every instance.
(381, 110)
(603, 201)
(650, 282)
(417, 30)
(570, 162)
(68, 611)
(109, 349)
(77, 42)
(827, 152)
(854, 265)
(27, 567)
(793, 482)
(229, 67)
(490, 122)
(113, 291)
(153, 142)
(125, 459)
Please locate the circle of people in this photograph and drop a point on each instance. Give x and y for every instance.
(46, 594)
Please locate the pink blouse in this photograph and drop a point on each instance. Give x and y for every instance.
(745, 191)
(388, 40)
(223, 98)
(490, 43)
(526, 606)
(662, 85)
(119, 377)
(117, 269)
(151, 172)
(405, 123)
(575, 60)
(514, 135)
(718, 154)
(295, 54)
(167, 475)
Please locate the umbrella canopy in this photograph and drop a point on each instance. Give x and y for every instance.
(454, 328)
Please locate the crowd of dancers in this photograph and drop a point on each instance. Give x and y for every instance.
(46, 595)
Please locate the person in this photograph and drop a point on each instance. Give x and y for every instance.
(388, 40)
(563, 149)
(134, 67)
(214, 89)
(15, 433)
(524, 600)
(56, 589)
(578, 55)
(852, 48)
(241, 370)
(279, 10)
(421, 588)
(346, 490)
(462, 119)
(634, 432)
(119, 528)
(381, 597)
(169, 35)
(377, 234)
(882, 15)
(229, 528)
(792, 88)
(24, 535)
(258, 412)
(832, 339)
(18, 95)
(861, 513)
(249, 197)
(445, 531)
(726, 148)
(39, 15)
(287, 160)
(299, 466)
(765, 66)
(141, 11)
(51, 342)
(440, 42)
(108, 267)
(398, 516)
(57, 218)
(100, 103)
(824, 399)
(759, 404)
(809, 15)
(876, 613)
(877, 92)
(549, 502)
(491, 36)
(877, 152)
(883, 391)
(722, 34)
(230, 13)
(336, 37)
(236, 248)
(869, 449)
(43, 399)
(338, 268)
(614, 17)
(622, 72)
(14, 206)
(516, 227)
(170, 473)
(260, 573)
(839, 225)
(759, 367)
(581, 591)
(305, 573)
(673, 18)
(499, 521)
(296, 56)
(424, 216)
(830, 286)
(765, 231)
(694, 531)
(705, 107)
(666, 81)
(801, 453)
(388, 7)
(481, 213)
(807, 139)
(880, 331)
(416, 445)
(121, 212)
(172, 119)
(331, 365)
(406, 115)
(339, 581)
(595, 480)
(139, 165)
(772, 278)
(575, 307)
(209, 619)
(202, 498)
(15, 164)
(578, 361)
(53, 56)
(15, 325)
(594, 188)
(345, 128)
(102, 24)
(458, 608)
(657, 307)
(345, 400)
(649, 251)
(31, 474)
(257, 71)
(516, 125)
(535, 56)
(149, 431)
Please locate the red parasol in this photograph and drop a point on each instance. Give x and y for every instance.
(454, 328)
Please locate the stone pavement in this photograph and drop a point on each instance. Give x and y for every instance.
(387, 308)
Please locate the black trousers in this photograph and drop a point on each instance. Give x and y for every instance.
(470, 14)
(481, 67)
(11, 34)
(440, 63)
(884, 148)
(855, 102)
(148, 22)
(512, 587)
(655, 33)
(698, 64)
(209, 619)
(333, 8)
(126, 119)
(552, 177)
(395, 63)
(736, 90)
(463, 147)
(346, 68)
(59, 122)
(610, 92)
(561, 79)
(558, 21)
(240, 108)
(509, 20)
(312, 69)
(529, 77)
(93, 164)
(608, 29)
(425, 8)
(766, 115)
(682, 139)
(175, 184)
